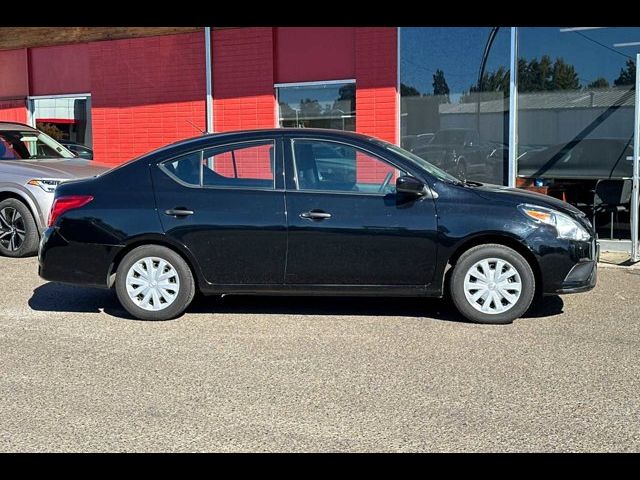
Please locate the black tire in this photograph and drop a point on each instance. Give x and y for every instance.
(501, 252)
(18, 229)
(185, 292)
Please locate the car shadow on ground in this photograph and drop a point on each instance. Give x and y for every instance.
(55, 297)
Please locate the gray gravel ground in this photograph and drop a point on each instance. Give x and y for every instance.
(316, 374)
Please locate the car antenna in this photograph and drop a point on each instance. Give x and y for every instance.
(196, 127)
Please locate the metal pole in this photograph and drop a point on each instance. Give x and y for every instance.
(513, 109)
(635, 254)
(398, 132)
(31, 112)
(209, 102)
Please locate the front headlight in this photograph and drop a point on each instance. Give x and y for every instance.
(47, 185)
(566, 226)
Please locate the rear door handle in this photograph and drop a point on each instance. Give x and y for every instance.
(315, 215)
(179, 212)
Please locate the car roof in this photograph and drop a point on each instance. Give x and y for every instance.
(298, 132)
(15, 126)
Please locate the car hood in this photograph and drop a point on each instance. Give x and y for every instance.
(496, 192)
(65, 168)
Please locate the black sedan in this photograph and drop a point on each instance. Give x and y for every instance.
(310, 212)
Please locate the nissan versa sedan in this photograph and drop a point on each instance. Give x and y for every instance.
(32, 164)
(311, 212)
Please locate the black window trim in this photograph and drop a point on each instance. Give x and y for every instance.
(336, 192)
(202, 150)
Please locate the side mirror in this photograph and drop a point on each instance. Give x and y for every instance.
(410, 186)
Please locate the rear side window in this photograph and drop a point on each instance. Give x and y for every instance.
(186, 168)
(241, 165)
(248, 165)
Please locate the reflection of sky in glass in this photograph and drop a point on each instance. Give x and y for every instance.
(591, 52)
(458, 51)
(326, 95)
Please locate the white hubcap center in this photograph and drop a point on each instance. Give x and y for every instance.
(492, 286)
(152, 283)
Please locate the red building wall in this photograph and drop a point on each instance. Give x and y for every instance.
(13, 111)
(308, 54)
(376, 79)
(145, 91)
(243, 77)
(59, 70)
(14, 85)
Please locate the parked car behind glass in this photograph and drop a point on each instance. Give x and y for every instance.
(79, 149)
(459, 152)
(304, 211)
(32, 164)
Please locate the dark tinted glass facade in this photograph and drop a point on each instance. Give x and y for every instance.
(454, 87)
(576, 93)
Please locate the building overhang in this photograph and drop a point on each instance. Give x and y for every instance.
(26, 37)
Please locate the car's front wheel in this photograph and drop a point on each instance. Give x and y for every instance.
(154, 283)
(492, 284)
(18, 230)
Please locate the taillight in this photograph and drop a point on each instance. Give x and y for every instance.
(64, 204)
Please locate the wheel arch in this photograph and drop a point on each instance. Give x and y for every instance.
(161, 242)
(6, 193)
(499, 239)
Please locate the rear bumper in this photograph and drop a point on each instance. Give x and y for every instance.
(85, 264)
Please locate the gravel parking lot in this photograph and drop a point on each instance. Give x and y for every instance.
(316, 374)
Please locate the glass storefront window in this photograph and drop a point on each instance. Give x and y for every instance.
(454, 87)
(317, 105)
(67, 119)
(576, 88)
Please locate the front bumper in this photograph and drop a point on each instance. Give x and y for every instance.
(582, 278)
(566, 266)
(584, 274)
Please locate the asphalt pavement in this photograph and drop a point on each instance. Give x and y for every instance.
(316, 374)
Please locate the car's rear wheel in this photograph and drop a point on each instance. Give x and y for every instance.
(154, 283)
(18, 230)
(492, 284)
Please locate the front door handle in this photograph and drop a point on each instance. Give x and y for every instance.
(179, 212)
(315, 215)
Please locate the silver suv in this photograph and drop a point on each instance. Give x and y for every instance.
(32, 164)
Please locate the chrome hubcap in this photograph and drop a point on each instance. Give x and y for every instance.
(492, 286)
(12, 229)
(152, 283)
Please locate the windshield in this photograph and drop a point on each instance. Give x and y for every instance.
(423, 164)
(29, 145)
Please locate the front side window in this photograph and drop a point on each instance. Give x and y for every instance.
(318, 105)
(337, 167)
(244, 165)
